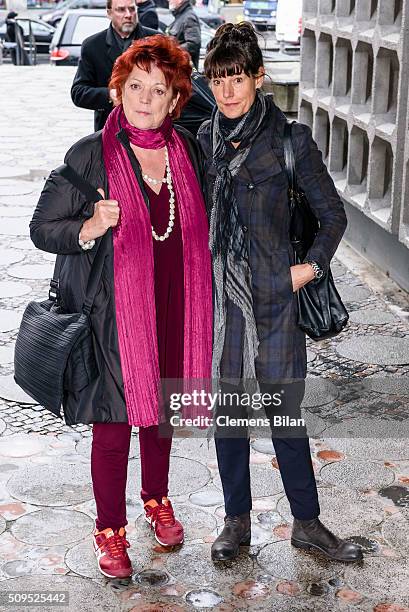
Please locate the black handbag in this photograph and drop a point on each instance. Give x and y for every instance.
(321, 313)
(54, 349)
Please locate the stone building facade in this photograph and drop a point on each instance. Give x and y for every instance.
(354, 95)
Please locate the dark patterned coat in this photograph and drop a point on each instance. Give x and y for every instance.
(261, 191)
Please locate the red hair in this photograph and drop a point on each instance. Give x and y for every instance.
(167, 55)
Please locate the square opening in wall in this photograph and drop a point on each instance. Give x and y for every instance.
(305, 114)
(342, 68)
(362, 74)
(358, 158)
(339, 146)
(327, 7)
(345, 8)
(386, 82)
(325, 60)
(365, 10)
(390, 12)
(380, 182)
(308, 50)
(321, 131)
(311, 7)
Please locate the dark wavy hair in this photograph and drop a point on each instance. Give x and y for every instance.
(165, 53)
(233, 50)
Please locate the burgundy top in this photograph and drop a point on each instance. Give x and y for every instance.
(169, 285)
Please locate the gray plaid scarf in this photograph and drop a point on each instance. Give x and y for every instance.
(231, 269)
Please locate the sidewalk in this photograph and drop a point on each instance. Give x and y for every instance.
(46, 504)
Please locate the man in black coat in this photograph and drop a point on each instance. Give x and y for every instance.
(98, 54)
(147, 15)
(186, 28)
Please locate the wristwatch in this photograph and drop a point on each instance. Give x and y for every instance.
(318, 271)
(86, 246)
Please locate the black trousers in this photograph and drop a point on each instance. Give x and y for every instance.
(291, 446)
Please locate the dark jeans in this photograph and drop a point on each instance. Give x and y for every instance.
(292, 452)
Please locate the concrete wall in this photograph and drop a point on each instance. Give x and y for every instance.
(354, 94)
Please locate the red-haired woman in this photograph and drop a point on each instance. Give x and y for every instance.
(151, 318)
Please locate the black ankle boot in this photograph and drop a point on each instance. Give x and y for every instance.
(314, 535)
(236, 532)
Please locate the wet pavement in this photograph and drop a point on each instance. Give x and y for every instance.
(46, 503)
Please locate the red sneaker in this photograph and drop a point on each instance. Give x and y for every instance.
(168, 531)
(110, 549)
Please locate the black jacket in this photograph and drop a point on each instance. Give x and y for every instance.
(186, 28)
(90, 85)
(55, 227)
(147, 15)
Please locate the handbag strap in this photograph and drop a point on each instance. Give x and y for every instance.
(289, 159)
(92, 195)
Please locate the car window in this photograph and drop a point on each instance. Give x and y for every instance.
(86, 26)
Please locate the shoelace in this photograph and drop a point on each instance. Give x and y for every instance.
(115, 546)
(163, 514)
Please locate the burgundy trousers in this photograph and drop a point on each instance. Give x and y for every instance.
(109, 467)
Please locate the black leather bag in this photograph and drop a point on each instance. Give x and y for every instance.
(54, 349)
(321, 313)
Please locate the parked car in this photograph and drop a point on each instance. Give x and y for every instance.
(55, 16)
(289, 21)
(74, 27)
(42, 32)
(261, 12)
(210, 19)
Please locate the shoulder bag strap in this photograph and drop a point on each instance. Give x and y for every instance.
(92, 195)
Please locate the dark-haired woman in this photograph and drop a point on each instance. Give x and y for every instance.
(256, 337)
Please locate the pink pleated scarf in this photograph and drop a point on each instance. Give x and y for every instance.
(134, 273)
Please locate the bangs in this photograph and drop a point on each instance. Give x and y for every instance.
(220, 63)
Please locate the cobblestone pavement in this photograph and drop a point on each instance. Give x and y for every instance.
(46, 504)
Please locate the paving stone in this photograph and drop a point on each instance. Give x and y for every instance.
(15, 188)
(192, 448)
(396, 493)
(9, 390)
(31, 271)
(2, 427)
(37, 561)
(21, 445)
(286, 562)
(3, 524)
(25, 245)
(265, 481)
(6, 353)
(83, 593)
(52, 485)
(318, 392)
(84, 447)
(197, 523)
(381, 578)
(370, 316)
(203, 598)
(15, 227)
(351, 293)
(7, 257)
(11, 171)
(310, 356)
(207, 497)
(193, 566)
(342, 513)
(13, 289)
(185, 476)
(396, 531)
(398, 385)
(52, 526)
(387, 449)
(355, 474)
(14, 211)
(263, 445)
(9, 319)
(376, 349)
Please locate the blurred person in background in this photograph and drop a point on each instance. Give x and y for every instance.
(147, 14)
(186, 28)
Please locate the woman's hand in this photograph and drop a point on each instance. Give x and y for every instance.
(106, 215)
(301, 274)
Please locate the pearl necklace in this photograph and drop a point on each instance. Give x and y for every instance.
(168, 180)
